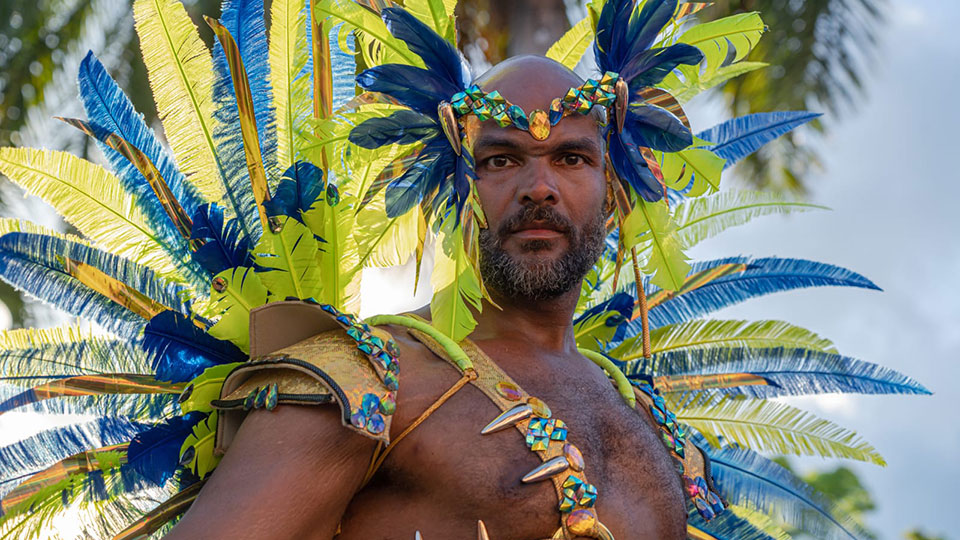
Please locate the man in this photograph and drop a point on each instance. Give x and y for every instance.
(296, 472)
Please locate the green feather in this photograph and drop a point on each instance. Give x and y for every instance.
(650, 228)
(288, 261)
(437, 14)
(202, 439)
(240, 290)
(456, 286)
(206, 388)
(569, 49)
(375, 42)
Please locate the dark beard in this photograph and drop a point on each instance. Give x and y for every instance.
(536, 278)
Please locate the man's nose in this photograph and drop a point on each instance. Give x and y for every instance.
(538, 184)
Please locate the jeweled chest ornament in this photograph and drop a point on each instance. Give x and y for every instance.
(609, 91)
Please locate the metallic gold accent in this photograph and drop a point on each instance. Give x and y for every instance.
(581, 522)
(508, 418)
(112, 288)
(620, 106)
(482, 531)
(664, 100)
(170, 204)
(681, 383)
(248, 121)
(451, 128)
(546, 469)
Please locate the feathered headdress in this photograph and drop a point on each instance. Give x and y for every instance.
(282, 182)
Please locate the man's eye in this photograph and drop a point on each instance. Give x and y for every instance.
(573, 160)
(498, 162)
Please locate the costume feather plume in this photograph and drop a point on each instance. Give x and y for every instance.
(290, 79)
(181, 77)
(92, 200)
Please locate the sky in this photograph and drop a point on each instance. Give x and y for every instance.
(895, 218)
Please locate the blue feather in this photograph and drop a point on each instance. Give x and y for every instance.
(225, 244)
(746, 478)
(434, 164)
(107, 106)
(414, 87)
(343, 67)
(30, 262)
(238, 18)
(245, 21)
(84, 356)
(739, 137)
(48, 447)
(180, 351)
(155, 451)
(401, 127)
(631, 167)
(439, 56)
(725, 526)
(657, 128)
(648, 68)
(762, 276)
(301, 186)
(792, 371)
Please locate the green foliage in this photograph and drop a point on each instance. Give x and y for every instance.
(569, 49)
(437, 14)
(456, 285)
(376, 43)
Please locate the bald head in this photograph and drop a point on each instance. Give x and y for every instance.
(530, 82)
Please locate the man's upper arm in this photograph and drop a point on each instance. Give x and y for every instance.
(289, 473)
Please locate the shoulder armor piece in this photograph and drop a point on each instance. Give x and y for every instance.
(340, 360)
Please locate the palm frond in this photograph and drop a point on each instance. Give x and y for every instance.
(772, 427)
(30, 353)
(437, 14)
(750, 480)
(181, 77)
(790, 371)
(93, 201)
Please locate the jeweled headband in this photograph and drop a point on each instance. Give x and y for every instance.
(608, 91)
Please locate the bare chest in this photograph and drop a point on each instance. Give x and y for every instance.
(446, 475)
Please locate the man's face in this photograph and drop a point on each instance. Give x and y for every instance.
(544, 204)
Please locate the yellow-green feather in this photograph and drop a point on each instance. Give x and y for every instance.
(288, 58)
(181, 76)
(569, 49)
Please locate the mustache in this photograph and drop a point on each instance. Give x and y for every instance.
(545, 215)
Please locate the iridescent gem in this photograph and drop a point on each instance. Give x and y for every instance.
(581, 522)
(574, 457)
(358, 419)
(518, 117)
(185, 395)
(333, 195)
(584, 105)
(261, 399)
(706, 512)
(275, 224)
(659, 402)
(365, 347)
(391, 381)
(589, 87)
(536, 427)
(587, 496)
(250, 400)
(388, 405)
(344, 320)
(690, 486)
(715, 502)
(375, 424)
(369, 403)
(475, 92)
(572, 482)
(701, 486)
(502, 118)
(604, 97)
(329, 309)
(495, 98)
(273, 397)
(355, 334)
(482, 110)
(538, 443)
(657, 415)
(609, 78)
(567, 504)
(219, 284)
(460, 104)
(392, 348)
(558, 431)
(667, 438)
(539, 407)
(571, 96)
(556, 111)
(678, 447)
(188, 456)
(508, 391)
(539, 124)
